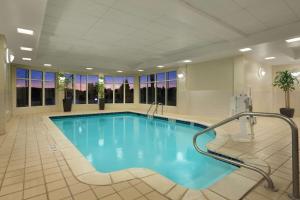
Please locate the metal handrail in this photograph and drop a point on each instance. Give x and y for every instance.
(156, 108)
(295, 153)
(150, 107)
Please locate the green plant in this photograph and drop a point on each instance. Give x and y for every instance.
(63, 83)
(285, 81)
(100, 87)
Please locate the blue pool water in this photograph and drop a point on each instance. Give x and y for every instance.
(119, 141)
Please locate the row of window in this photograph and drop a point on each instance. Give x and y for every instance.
(119, 89)
(40, 87)
(159, 88)
(36, 84)
(83, 87)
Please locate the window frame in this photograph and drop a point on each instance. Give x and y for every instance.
(156, 81)
(28, 90)
(124, 88)
(29, 79)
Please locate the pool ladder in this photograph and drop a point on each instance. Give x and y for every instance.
(156, 109)
(295, 153)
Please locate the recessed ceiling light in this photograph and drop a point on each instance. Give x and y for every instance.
(28, 59)
(293, 40)
(89, 68)
(187, 61)
(26, 48)
(160, 66)
(245, 49)
(25, 31)
(140, 70)
(270, 58)
(47, 65)
(119, 71)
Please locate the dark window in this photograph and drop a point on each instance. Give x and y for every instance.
(171, 93)
(36, 88)
(108, 91)
(49, 88)
(143, 89)
(80, 87)
(171, 75)
(161, 92)
(92, 91)
(129, 89)
(159, 88)
(22, 85)
(119, 89)
(69, 90)
(151, 92)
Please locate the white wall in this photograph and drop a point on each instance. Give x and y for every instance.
(5, 89)
(247, 77)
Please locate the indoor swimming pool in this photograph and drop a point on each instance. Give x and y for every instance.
(117, 141)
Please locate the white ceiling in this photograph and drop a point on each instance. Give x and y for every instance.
(127, 35)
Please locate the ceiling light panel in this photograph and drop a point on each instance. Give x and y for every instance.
(25, 31)
(26, 48)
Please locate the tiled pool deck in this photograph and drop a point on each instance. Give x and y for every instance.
(38, 162)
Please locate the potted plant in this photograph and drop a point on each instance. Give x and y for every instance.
(100, 91)
(286, 81)
(63, 83)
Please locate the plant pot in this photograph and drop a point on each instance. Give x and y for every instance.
(288, 112)
(67, 104)
(101, 104)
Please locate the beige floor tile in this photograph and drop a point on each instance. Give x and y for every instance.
(159, 183)
(130, 193)
(155, 196)
(71, 180)
(34, 191)
(142, 198)
(34, 182)
(112, 197)
(134, 181)
(255, 196)
(59, 194)
(102, 191)
(87, 195)
(13, 180)
(13, 196)
(53, 177)
(33, 175)
(121, 186)
(18, 172)
(176, 192)
(211, 195)
(143, 188)
(121, 176)
(233, 186)
(11, 188)
(51, 171)
(79, 187)
(194, 195)
(56, 185)
(40, 197)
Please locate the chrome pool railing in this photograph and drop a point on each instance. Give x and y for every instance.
(153, 103)
(295, 154)
(156, 108)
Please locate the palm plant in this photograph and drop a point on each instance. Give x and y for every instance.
(100, 91)
(63, 83)
(285, 81)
